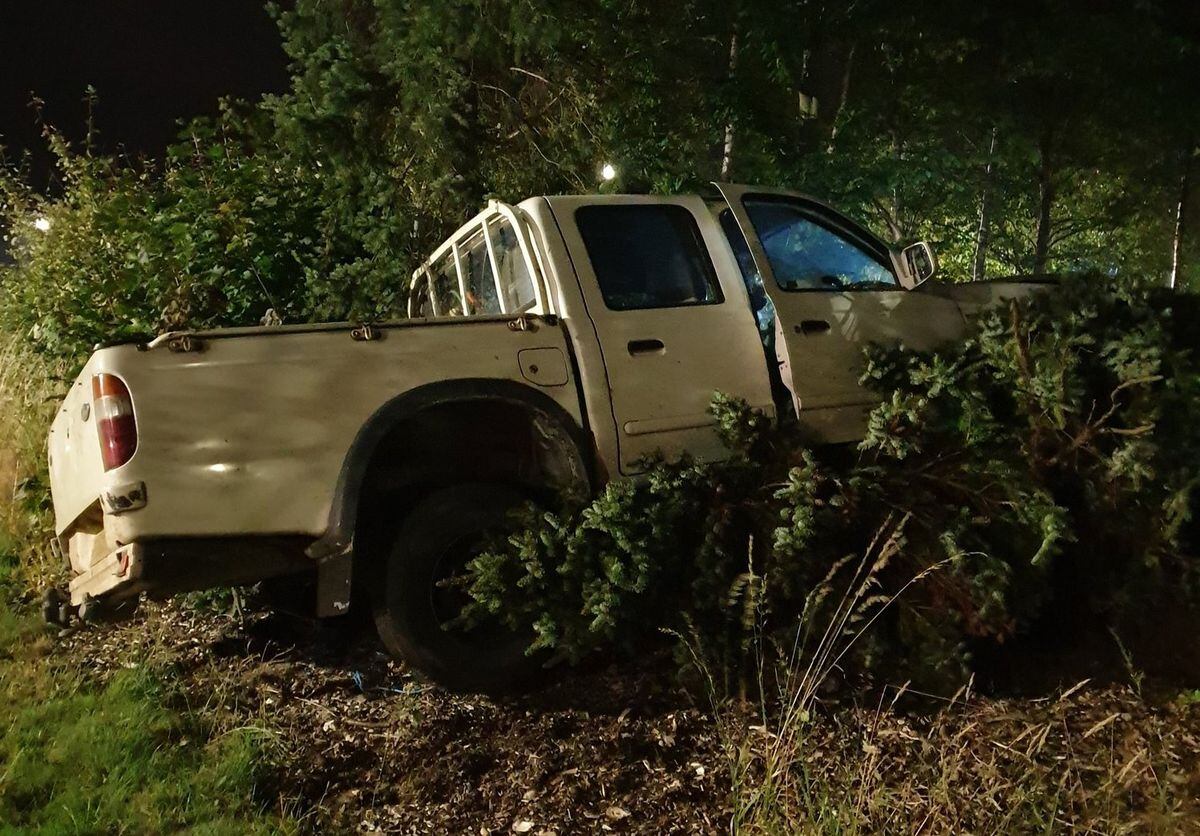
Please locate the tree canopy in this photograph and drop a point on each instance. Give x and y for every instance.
(1018, 137)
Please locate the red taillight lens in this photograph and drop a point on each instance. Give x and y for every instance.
(115, 423)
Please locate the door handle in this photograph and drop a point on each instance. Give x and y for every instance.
(646, 347)
(813, 326)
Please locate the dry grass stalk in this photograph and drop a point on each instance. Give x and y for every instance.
(29, 390)
(1089, 761)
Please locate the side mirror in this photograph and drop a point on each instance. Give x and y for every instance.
(920, 261)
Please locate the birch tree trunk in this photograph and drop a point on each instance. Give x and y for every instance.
(843, 97)
(1185, 189)
(984, 233)
(727, 154)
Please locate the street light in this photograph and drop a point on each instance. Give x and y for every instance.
(42, 224)
(608, 172)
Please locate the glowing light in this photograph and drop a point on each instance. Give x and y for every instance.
(220, 468)
(42, 224)
(608, 172)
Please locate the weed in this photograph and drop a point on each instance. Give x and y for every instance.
(1136, 675)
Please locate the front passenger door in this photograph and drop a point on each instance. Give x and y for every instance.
(835, 288)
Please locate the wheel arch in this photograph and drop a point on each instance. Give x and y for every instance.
(560, 445)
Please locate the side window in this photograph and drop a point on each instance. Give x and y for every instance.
(806, 254)
(481, 286)
(648, 256)
(482, 270)
(515, 281)
(445, 286)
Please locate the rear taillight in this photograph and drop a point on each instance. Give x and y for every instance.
(115, 423)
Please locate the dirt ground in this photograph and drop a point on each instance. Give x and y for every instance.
(358, 744)
(361, 745)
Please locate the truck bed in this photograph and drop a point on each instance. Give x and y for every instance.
(225, 418)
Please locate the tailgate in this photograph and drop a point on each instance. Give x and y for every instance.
(76, 470)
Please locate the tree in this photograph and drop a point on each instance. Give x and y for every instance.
(1017, 137)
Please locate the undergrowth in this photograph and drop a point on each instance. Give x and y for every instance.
(1036, 478)
(1103, 762)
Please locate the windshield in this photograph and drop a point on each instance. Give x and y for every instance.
(806, 252)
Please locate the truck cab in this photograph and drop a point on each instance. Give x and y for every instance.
(679, 297)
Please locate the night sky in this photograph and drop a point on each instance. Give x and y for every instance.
(152, 62)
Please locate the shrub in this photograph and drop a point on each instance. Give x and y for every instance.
(215, 234)
(1045, 463)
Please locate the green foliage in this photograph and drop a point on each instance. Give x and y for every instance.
(1045, 463)
(214, 235)
(969, 126)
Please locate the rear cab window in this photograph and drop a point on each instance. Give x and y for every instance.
(648, 256)
(487, 268)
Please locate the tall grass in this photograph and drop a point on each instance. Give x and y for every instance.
(1036, 766)
(774, 790)
(30, 389)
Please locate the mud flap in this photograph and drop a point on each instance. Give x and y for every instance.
(334, 580)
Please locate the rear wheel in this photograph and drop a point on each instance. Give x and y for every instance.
(417, 596)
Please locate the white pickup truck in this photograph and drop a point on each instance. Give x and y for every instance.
(550, 346)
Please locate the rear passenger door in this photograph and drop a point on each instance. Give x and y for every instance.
(671, 315)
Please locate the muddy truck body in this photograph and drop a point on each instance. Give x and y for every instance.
(550, 346)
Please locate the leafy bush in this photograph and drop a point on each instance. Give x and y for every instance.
(1046, 463)
(214, 235)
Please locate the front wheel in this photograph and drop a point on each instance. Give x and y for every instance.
(416, 596)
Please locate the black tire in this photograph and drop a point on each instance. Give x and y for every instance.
(53, 601)
(411, 604)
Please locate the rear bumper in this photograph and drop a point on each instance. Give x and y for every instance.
(116, 576)
(168, 566)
